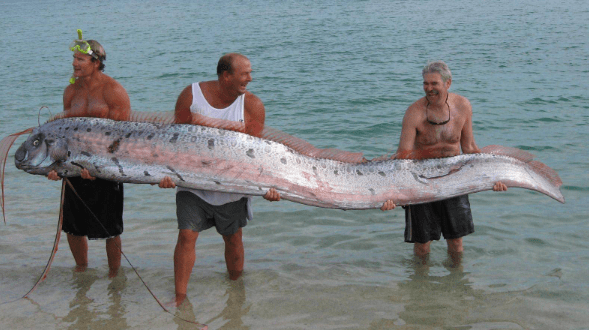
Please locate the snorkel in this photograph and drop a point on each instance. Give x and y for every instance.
(82, 46)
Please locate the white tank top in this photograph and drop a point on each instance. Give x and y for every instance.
(233, 112)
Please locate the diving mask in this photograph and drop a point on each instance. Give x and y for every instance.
(83, 47)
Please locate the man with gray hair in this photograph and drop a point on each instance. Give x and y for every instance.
(438, 125)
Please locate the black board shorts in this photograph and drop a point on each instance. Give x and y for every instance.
(195, 214)
(103, 198)
(451, 217)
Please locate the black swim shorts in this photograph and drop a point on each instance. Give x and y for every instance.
(196, 214)
(451, 217)
(101, 217)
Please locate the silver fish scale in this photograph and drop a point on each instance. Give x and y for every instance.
(215, 159)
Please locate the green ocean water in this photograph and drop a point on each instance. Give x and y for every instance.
(338, 74)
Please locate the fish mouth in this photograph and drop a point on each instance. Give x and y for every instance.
(25, 160)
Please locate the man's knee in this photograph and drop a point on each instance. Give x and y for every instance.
(233, 239)
(187, 237)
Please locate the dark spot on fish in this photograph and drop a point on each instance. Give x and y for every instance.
(75, 128)
(176, 173)
(382, 173)
(218, 183)
(174, 138)
(205, 163)
(372, 191)
(67, 128)
(419, 178)
(211, 144)
(107, 133)
(114, 146)
(250, 153)
(88, 129)
(359, 173)
(283, 161)
(69, 153)
(85, 153)
(336, 172)
(150, 136)
(128, 135)
(76, 164)
(146, 173)
(116, 161)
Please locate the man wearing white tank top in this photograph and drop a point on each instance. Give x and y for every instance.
(197, 210)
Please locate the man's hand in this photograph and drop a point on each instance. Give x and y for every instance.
(272, 195)
(499, 186)
(85, 174)
(388, 205)
(53, 176)
(166, 183)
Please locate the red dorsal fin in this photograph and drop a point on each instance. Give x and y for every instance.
(305, 148)
(522, 155)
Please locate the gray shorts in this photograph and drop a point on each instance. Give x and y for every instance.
(196, 214)
(451, 217)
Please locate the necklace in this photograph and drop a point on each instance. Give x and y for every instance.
(433, 122)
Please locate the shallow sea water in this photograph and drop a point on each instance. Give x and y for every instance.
(339, 76)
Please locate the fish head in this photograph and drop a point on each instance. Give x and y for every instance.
(41, 153)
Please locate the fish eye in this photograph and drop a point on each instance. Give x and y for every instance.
(36, 142)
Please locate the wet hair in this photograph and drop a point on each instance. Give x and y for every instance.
(226, 62)
(99, 51)
(438, 67)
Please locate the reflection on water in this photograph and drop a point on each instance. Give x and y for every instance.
(235, 307)
(85, 314)
(436, 300)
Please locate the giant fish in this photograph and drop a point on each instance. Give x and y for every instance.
(227, 160)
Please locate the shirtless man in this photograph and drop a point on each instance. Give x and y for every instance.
(198, 210)
(438, 125)
(93, 94)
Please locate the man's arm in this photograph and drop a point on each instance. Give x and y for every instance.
(117, 99)
(408, 135)
(467, 142)
(254, 115)
(68, 96)
(254, 118)
(182, 110)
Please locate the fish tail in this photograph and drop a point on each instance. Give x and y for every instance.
(540, 168)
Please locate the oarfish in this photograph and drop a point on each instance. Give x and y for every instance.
(216, 159)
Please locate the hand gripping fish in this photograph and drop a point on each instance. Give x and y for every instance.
(218, 159)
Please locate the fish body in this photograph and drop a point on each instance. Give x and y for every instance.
(222, 160)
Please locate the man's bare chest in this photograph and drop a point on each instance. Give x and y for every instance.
(89, 104)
